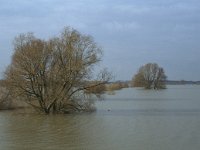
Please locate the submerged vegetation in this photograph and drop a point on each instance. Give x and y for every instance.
(150, 76)
(116, 86)
(54, 76)
(57, 75)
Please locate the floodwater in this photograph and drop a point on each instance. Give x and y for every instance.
(132, 119)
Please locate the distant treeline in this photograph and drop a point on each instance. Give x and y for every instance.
(127, 83)
(181, 82)
(167, 82)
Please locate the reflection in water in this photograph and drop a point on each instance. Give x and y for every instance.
(134, 122)
(53, 132)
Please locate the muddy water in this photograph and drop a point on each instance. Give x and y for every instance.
(132, 119)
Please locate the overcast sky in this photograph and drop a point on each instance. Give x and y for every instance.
(131, 32)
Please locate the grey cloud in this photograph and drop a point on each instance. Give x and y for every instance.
(131, 32)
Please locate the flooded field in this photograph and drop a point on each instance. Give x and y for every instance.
(132, 119)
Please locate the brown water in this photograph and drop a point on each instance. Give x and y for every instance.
(137, 120)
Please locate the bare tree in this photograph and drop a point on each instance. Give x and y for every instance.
(52, 75)
(150, 76)
(5, 101)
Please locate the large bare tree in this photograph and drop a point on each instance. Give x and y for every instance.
(150, 76)
(53, 75)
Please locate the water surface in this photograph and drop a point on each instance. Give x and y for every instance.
(132, 119)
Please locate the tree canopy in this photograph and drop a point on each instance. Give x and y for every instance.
(53, 75)
(150, 76)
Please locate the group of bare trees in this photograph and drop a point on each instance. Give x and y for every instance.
(53, 75)
(57, 75)
(150, 76)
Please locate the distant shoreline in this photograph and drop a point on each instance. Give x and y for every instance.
(181, 82)
(167, 82)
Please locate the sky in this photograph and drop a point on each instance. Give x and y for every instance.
(130, 32)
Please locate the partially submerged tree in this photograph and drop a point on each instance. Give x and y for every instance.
(150, 76)
(52, 75)
(5, 102)
(116, 86)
